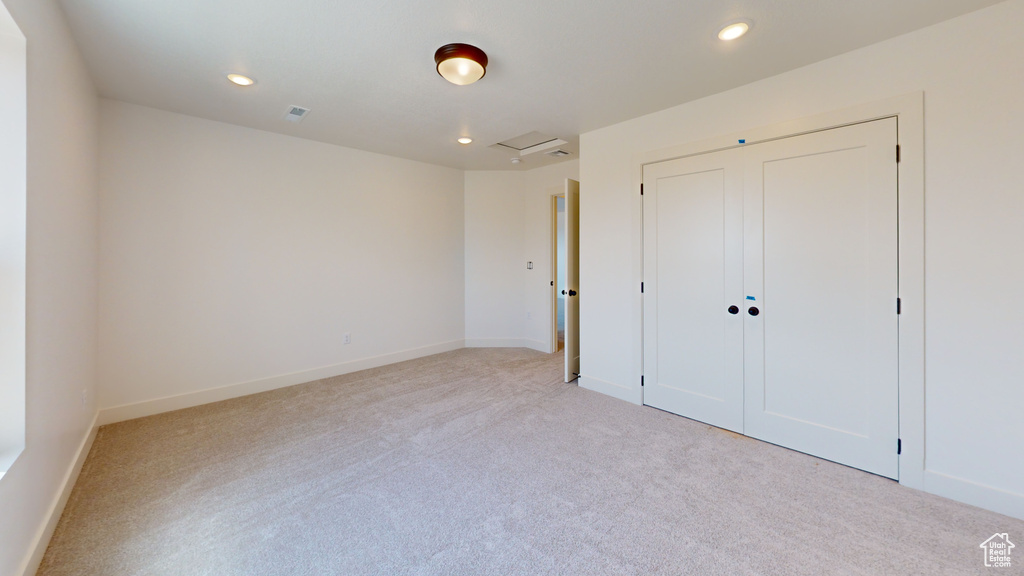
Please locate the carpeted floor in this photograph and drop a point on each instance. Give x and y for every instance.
(482, 462)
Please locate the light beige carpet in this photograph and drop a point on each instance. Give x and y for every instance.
(483, 462)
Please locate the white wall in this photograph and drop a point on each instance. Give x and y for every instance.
(969, 70)
(495, 258)
(231, 257)
(61, 282)
(508, 223)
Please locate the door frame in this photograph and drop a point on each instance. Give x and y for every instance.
(909, 112)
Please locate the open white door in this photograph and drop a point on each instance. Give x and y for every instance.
(572, 280)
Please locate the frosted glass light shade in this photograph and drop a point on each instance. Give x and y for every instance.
(460, 64)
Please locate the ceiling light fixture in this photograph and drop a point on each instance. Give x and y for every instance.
(460, 63)
(465, 140)
(241, 80)
(734, 31)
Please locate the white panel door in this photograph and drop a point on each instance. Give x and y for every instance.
(821, 357)
(693, 271)
(572, 280)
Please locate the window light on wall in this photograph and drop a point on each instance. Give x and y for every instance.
(12, 240)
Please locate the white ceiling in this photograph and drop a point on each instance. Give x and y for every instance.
(366, 68)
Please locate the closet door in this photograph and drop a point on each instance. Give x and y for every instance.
(693, 272)
(821, 355)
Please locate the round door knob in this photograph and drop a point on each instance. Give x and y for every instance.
(734, 309)
(564, 292)
(753, 311)
(572, 292)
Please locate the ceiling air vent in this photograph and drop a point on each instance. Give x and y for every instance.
(557, 153)
(296, 113)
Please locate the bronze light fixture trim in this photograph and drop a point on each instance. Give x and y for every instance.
(460, 64)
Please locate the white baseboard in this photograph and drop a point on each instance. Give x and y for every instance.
(496, 343)
(536, 345)
(975, 494)
(631, 395)
(509, 343)
(199, 397)
(42, 538)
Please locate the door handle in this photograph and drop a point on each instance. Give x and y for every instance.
(753, 311)
(572, 292)
(734, 309)
(564, 292)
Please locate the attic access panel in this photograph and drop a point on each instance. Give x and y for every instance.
(531, 142)
(527, 140)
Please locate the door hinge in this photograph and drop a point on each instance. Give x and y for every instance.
(899, 446)
(641, 287)
(897, 153)
(899, 306)
(641, 188)
(641, 380)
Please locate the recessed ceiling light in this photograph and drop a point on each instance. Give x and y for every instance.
(734, 31)
(460, 63)
(465, 140)
(241, 80)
